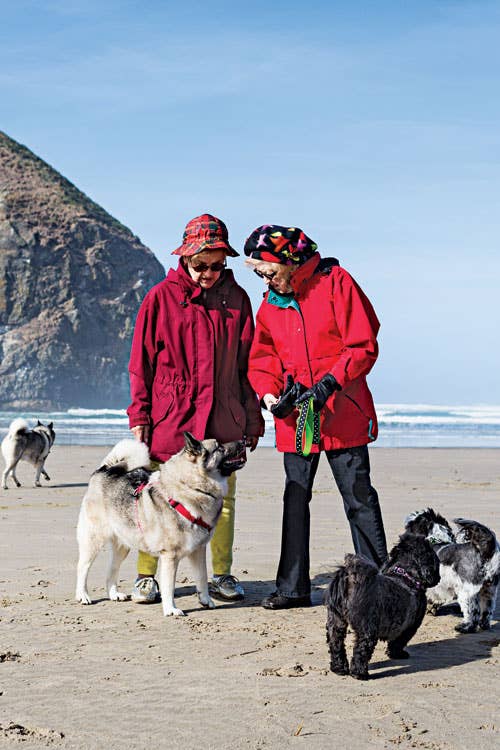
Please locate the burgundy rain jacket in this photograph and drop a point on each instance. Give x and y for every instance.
(188, 364)
(327, 326)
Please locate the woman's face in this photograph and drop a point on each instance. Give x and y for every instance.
(206, 267)
(276, 276)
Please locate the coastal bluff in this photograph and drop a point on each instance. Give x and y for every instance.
(71, 281)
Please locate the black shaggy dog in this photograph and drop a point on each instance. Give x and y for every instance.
(386, 605)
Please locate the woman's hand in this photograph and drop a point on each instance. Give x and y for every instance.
(251, 442)
(269, 400)
(141, 433)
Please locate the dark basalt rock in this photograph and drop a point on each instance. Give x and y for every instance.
(71, 281)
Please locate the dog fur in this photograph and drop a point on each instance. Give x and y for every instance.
(469, 567)
(378, 605)
(23, 444)
(470, 572)
(114, 511)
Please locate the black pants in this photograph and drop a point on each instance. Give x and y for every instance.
(351, 470)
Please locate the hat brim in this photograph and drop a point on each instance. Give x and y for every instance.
(190, 249)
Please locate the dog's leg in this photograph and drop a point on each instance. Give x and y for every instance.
(89, 544)
(39, 469)
(364, 646)
(168, 572)
(14, 475)
(10, 469)
(487, 600)
(396, 647)
(118, 555)
(4, 477)
(336, 631)
(198, 560)
(469, 604)
(45, 475)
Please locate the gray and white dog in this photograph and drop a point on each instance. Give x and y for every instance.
(170, 513)
(23, 444)
(469, 566)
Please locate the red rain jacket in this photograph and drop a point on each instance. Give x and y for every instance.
(334, 332)
(188, 364)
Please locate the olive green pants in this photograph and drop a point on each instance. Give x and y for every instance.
(221, 544)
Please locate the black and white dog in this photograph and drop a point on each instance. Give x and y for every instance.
(386, 605)
(23, 444)
(469, 567)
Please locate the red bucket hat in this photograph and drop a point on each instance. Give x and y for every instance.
(205, 232)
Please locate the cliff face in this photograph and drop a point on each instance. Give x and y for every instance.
(71, 281)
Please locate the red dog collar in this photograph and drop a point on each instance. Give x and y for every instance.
(176, 506)
(184, 512)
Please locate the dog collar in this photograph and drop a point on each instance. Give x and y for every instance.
(184, 512)
(176, 505)
(399, 571)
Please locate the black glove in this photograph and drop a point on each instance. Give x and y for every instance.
(319, 392)
(286, 404)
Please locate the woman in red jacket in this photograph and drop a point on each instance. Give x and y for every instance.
(315, 341)
(188, 371)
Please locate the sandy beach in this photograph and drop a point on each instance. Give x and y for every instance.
(115, 675)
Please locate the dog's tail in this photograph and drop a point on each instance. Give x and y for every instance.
(18, 425)
(130, 453)
(480, 536)
(337, 592)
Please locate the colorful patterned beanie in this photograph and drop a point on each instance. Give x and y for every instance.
(275, 244)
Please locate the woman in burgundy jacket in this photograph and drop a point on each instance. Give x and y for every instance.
(188, 371)
(315, 341)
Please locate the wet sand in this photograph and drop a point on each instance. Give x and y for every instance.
(115, 675)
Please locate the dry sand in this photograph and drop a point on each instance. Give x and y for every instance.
(119, 675)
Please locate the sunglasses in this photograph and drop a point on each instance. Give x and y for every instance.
(262, 275)
(215, 267)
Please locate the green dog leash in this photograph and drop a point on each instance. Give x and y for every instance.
(307, 430)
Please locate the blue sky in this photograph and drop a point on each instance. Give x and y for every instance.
(372, 125)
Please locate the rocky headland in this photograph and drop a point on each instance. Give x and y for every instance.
(71, 281)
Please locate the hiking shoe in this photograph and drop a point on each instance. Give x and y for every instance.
(145, 591)
(280, 601)
(226, 587)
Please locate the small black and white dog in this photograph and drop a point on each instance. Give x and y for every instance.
(430, 524)
(23, 444)
(469, 567)
(386, 605)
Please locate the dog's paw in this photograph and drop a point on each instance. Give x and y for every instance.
(37, 484)
(173, 611)
(340, 669)
(465, 627)
(485, 624)
(118, 596)
(206, 601)
(360, 675)
(401, 654)
(83, 598)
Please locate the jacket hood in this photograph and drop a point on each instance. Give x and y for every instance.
(189, 286)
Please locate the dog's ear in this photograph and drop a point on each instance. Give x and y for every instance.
(38, 423)
(192, 445)
(50, 425)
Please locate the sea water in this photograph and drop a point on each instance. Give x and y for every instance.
(400, 425)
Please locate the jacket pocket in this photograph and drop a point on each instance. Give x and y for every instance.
(238, 412)
(161, 407)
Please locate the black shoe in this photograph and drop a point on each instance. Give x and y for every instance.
(280, 601)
